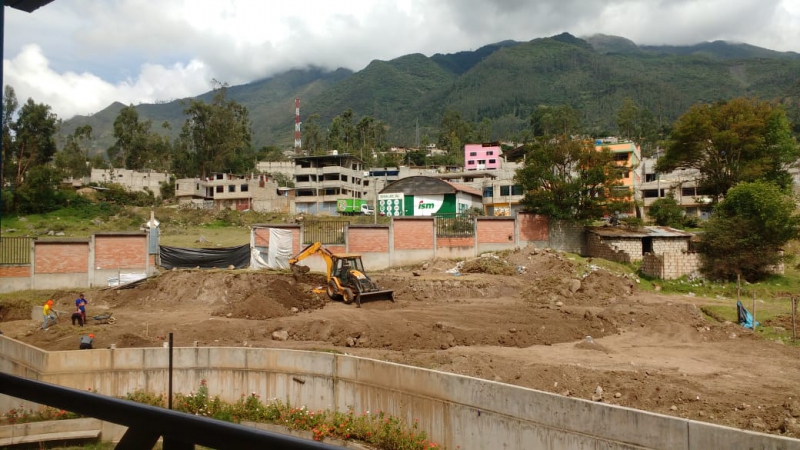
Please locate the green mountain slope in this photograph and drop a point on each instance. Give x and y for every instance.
(504, 82)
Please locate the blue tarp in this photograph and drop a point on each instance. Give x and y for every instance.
(745, 318)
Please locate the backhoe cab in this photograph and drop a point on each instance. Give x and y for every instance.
(347, 279)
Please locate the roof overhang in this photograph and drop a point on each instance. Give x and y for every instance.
(26, 5)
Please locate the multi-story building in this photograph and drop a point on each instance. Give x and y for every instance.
(629, 155)
(682, 184)
(320, 181)
(484, 156)
(255, 192)
(132, 180)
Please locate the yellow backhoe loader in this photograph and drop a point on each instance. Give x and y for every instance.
(346, 277)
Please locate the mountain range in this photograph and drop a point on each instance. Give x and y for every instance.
(504, 82)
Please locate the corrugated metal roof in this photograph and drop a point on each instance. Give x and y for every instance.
(651, 231)
(467, 189)
(422, 185)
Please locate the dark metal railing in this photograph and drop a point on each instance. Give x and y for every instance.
(146, 424)
(328, 232)
(454, 225)
(15, 250)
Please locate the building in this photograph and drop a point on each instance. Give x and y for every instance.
(482, 156)
(320, 181)
(626, 245)
(426, 196)
(131, 180)
(257, 192)
(682, 184)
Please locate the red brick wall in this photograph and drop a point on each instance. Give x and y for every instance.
(336, 248)
(15, 271)
(413, 234)
(362, 240)
(495, 231)
(125, 252)
(455, 241)
(62, 257)
(261, 237)
(533, 227)
(296, 244)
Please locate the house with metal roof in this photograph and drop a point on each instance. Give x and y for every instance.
(427, 196)
(622, 244)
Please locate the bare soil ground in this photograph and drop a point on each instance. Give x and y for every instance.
(520, 319)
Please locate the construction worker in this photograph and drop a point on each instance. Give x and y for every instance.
(86, 342)
(48, 314)
(80, 303)
(77, 316)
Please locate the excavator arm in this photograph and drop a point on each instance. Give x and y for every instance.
(314, 249)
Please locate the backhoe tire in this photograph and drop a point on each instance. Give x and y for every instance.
(348, 295)
(332, 291)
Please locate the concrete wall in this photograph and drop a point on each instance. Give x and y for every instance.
(60, 263)
(670, 266)
(670, 245)
(456, 411)
(15, 278)
(613, 249)
(567, 237)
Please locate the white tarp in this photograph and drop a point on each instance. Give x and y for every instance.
(278, 252)
(126, 278)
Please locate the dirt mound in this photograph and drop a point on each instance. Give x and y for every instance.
(490, 265)
(130, 340)
(277, 298)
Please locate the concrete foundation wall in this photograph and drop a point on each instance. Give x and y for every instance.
(670, 266)
(12, 284)
(456, 411)
(60, 280)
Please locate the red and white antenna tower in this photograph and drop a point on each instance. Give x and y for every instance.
(297, 144)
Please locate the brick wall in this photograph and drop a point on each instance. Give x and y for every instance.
(119, 251)
(455, 242)
(620, 250)
(669, 266)
(368, 239)
(499, 231)
(62, 257)
(412, 234)
(533, 227)
(261, 235)
(670, 245)
(15, 271)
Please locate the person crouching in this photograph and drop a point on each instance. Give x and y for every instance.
(77, 316)
(86, 342)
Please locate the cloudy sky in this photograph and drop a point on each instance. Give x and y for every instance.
(80, 55)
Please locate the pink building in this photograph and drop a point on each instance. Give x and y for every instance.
(482, 156)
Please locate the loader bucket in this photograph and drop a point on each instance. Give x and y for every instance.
(368, 296)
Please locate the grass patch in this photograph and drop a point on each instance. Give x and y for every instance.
(17, 305)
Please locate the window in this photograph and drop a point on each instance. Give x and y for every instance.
(473, 153)
(516, 190)
(471, 163)
(649, 177)
(650, 193)
(620, 157)
(177, 187)
(197, 186)
(492, 161)
(219, 189)
(488, 191)
(243, 188)
(482, 161)
(490, 153)
(626, 174)
(505, 190)
(687, 192)
(231, 188)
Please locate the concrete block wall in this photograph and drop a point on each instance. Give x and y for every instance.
(456, 411)
(620, 250)
(670, 266)
(567, 237)
(670, 245)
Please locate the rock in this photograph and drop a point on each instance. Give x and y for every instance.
(513, 330)
(559, 304)
(566, 393)
(60, 233)
(588, 340)
(231, 267)
(574, 285)
(673, 408)
(617, 395)
(425, 266)
(350, 342)
(790, 426)
(732, 336)
(363, 341)
(23, 219)
(201, 239)
(416, 273)
(281, 335)
(51, 233)
(439, 325)
(794, 408)
(229, 315)
(294, 310)
(598, 394)
(756, 423)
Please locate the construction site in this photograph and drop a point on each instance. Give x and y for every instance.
(533, 318)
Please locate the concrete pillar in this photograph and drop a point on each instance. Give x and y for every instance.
(475, 236)
(435, 244)
(391, 241)
(92, 265)
(33, 263)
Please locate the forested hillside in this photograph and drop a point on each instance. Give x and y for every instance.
(503, 82)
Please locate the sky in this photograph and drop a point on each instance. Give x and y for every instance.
(79, 56)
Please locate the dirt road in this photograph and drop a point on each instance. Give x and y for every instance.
(646, 351)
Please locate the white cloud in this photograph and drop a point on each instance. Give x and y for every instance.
(71, 93)
(88, 54)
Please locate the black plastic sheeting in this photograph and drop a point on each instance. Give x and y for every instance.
(206, 258)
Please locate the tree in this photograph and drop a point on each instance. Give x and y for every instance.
(453, 131)
(747, 230)
(730, 142)
(28, 142)
(270, 153)
(131, 146)
(666, 212)
(73, 160)
(216, 136)
(313, 138)
(555, 120)
(567, 179)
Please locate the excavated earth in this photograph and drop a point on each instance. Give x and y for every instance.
(521, 318)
